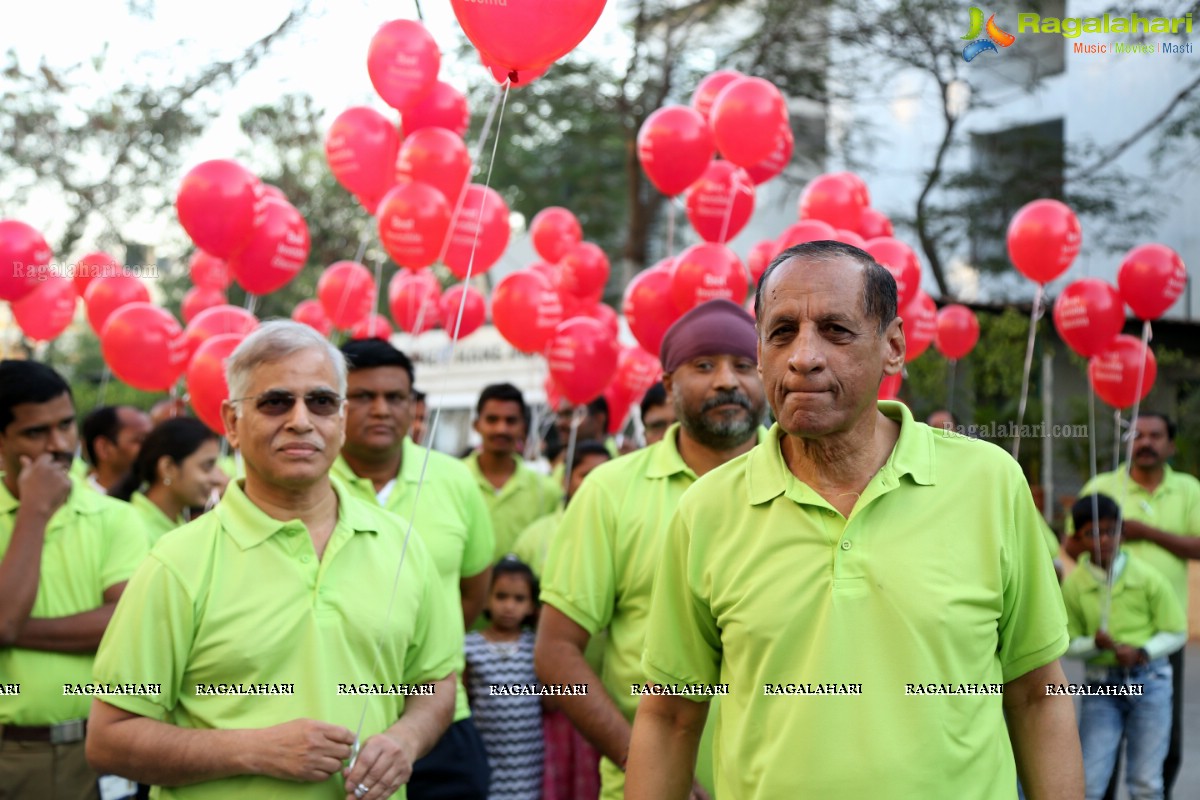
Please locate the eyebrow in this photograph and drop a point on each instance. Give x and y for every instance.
(46, 426)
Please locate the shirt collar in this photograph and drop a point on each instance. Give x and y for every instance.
(140, 501)
(1100, 576)
(412, 456)
(665, 459)
(768, 475)
(1165, 486)
(79, 500)
(250, 526)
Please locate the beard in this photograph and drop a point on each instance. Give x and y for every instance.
(723, 432)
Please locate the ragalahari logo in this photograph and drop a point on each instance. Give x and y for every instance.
(995, 36)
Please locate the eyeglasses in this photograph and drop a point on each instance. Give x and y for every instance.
(277, 402)
(365, 398)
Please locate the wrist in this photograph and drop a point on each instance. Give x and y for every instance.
(1143, 655)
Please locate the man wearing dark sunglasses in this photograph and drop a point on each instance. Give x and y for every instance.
(268, 629)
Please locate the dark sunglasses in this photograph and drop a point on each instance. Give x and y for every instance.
(277, 402)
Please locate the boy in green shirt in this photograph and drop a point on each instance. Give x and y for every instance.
(1128, 676)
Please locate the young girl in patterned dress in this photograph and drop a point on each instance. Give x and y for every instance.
(499, 665)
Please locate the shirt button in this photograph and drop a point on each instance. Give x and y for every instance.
(846, 544)
(306, 559)
(829, 512)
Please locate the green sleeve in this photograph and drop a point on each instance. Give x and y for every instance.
(1033, 624)
(481, 537)
(683, 644)
(128, 543)
(580, 575)
(528, 546)
(1166, 613)
(552, 496)
(436, 646)
(148, 640)
(1076, 622)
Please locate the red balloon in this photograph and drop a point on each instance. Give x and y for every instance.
(216, 321)
(709, 87)
(46, 312)
(874, 224)
(444, 107)
(554, 231)
(526, 34)
(777, 162)
(526, 310)
(637, 371)
(106, 295)
(920, 319)
(346, 290)
(217, 205)
(313, 315)
(92, 266)
(372, 326)
(619, 405)
(582, 356)
(720, 204)
(403, 62)
(1043, 239)
(806, 230)
(143, 345)
(436, 157)
(276, 252)
(200, 298)
(474, 310)
(413, 222)
(706, 272)
(1088, 314)
(837, 198)
(206, 386)
(745, 120)
(517, 78)
(674, 147)
(851, 238)
(889, 387)
(24, 256)
(1114, 371)
(761, 256)
(649, 307)
(209, 272)
(584, 270)
(605, 315)
(483, 210)
(413, 299)
(957, 331)
(1151, 277)
(361, 149)
(551, 272)
(900, 260)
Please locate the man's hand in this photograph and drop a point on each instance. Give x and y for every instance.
(384, 765)
(1104, 641)
(1128, 656)
(1133, 530)
(304, 750)
(44, 485)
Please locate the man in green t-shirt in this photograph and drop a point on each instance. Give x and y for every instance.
(875, 596)
(66, 553)
(381, 464)
(600, 567)
(256, 641)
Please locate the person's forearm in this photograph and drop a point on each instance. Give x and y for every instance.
(20, 570)
(474, 592)
(662, 754)
(594, 714)
(1083, 647)
(1044, 738)
(425, 718)
(1163, 644)
(1187, 547)
(78, 633)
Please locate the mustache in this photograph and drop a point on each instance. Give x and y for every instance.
(726, 398)
(1145, 451)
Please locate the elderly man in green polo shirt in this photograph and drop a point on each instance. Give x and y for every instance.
(875, 594)
(381, 464)
(599, 572)
(273, 629)
(65, 555)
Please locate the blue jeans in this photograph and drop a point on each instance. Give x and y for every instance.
(1145, 722)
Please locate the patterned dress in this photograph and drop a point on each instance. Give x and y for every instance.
(510, 724)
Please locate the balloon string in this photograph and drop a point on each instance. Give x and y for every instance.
(1092, 472)
(432, 437)
(420, 16)
(1035, 313)
(1117, 423)
(735, 187)
(104, 378)
(358, 257)
(577, 418)
(670, 230)
(251, 304)
(373, 317)
(953, 382)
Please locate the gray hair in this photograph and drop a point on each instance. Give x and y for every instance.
(275, 340)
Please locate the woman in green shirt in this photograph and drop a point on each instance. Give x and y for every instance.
(175, 470)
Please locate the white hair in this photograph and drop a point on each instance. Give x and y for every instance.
(275, 340)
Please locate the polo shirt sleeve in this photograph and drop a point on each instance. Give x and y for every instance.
(436, 645)
(1033, 623)
(580, 575)
(481, 537)
(1072, 602)
(127, 543)
(683, 643)
(148, 640)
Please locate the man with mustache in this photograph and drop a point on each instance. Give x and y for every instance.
(65, 555)
(1161, 512)
(875, 593)
(515, 495)
(601, 574)
(270, 630)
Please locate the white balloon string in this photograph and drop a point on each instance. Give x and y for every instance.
(577, 417)
(953, 381)
(1092, 469)
(735, 186)
(251, 303)
(104, 378)
(373, 317)
(670, 229)
(1035, 313)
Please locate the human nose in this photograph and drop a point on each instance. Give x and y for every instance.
(806, 354)
(379, 405)
(724, 375)
(61, 441)
(298, 419)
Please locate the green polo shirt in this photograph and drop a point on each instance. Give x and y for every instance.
(534, 542)
(938, 577)
(1174, 506)
(154, 521)
(1143, 604)
(602, 573)
(526, 496)
(451, 517)
(237, 598)
(92, 543)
